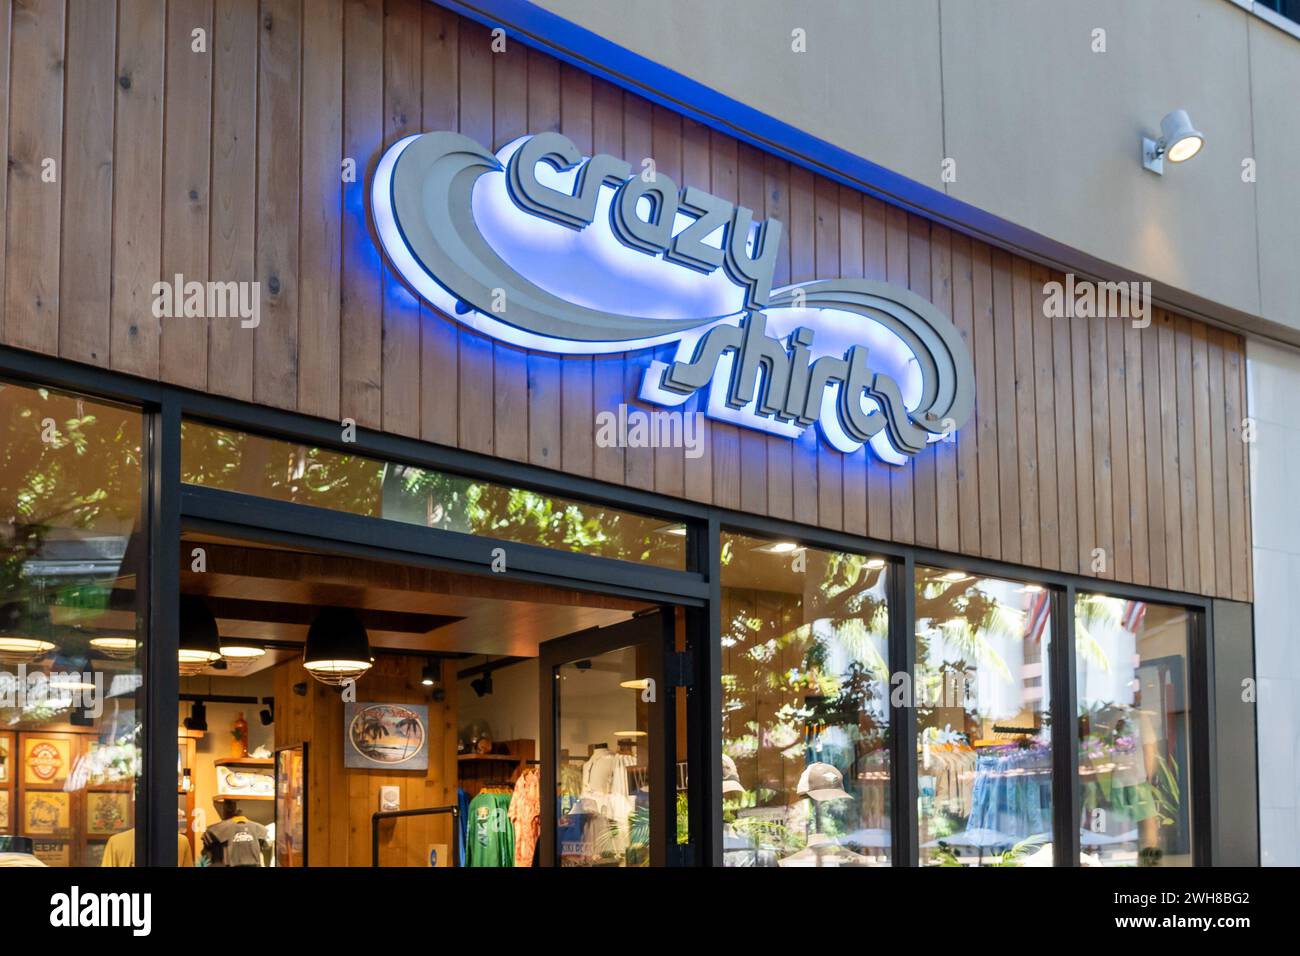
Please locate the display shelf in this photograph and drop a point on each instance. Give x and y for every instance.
(239, 797)
(497, 758)
(267, 762)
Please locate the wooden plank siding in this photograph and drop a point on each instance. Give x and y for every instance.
(1095, 447)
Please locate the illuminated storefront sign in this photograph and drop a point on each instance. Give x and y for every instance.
(542, 248)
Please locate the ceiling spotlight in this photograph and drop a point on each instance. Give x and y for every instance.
(431, 675)
(875, 564)
(482, 685)
(953, 577)
(338, 649)
(199, 644)
(1179, 141)
(198, 718)
(267, 714)
(240, 650)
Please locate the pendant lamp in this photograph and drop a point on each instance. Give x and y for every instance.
(116, 646)
(199, 644)
(338, 649)
(18, 642)
(240, 650)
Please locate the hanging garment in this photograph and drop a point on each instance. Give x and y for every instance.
(462, 826)
(120, 850)
(235, 842)
(526, 816)
(491, 837)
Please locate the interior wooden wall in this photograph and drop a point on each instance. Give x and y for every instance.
(340, 801)
(226, 165)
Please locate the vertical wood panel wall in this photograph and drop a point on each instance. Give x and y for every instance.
(226, 164)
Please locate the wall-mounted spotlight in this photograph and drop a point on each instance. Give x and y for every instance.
(1179, 141)
(267, 714)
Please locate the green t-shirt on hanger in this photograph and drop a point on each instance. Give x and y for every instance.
(489, 834)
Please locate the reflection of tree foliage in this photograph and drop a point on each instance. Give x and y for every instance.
(373, 488)
(1092, 612)
(66, 465)
(968, 619)
(812, 660)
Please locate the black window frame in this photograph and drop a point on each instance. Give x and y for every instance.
(174, 506)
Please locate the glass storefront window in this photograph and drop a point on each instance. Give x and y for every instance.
(984, 755)
(805, 706)
(1134, 732)
(324, 478)
(72, 586)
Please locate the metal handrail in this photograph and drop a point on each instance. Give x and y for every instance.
(378, 815)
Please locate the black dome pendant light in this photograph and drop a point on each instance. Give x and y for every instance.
(338, 649)
(199, 644)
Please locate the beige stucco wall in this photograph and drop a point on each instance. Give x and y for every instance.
(1045, 132)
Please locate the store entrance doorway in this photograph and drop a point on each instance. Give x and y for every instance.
(473, 689)
(607, 724)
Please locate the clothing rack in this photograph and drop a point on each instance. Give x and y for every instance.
(378, 815)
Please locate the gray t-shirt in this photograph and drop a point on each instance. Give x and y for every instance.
(235, 843)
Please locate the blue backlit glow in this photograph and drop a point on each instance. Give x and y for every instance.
(593, 268)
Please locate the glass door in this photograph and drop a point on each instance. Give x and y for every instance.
(606, 722)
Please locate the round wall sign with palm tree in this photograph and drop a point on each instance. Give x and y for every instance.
(387, 735)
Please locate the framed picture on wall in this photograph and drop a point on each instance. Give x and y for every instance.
(380, 736)
(46, 812)
(107, 812)
(5, 761)
(46, 761)
(4, 811)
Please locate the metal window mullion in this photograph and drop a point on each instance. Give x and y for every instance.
(1065, 734)
(1201, 716)
(902, 656)
(156, 838)
(707, 794)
